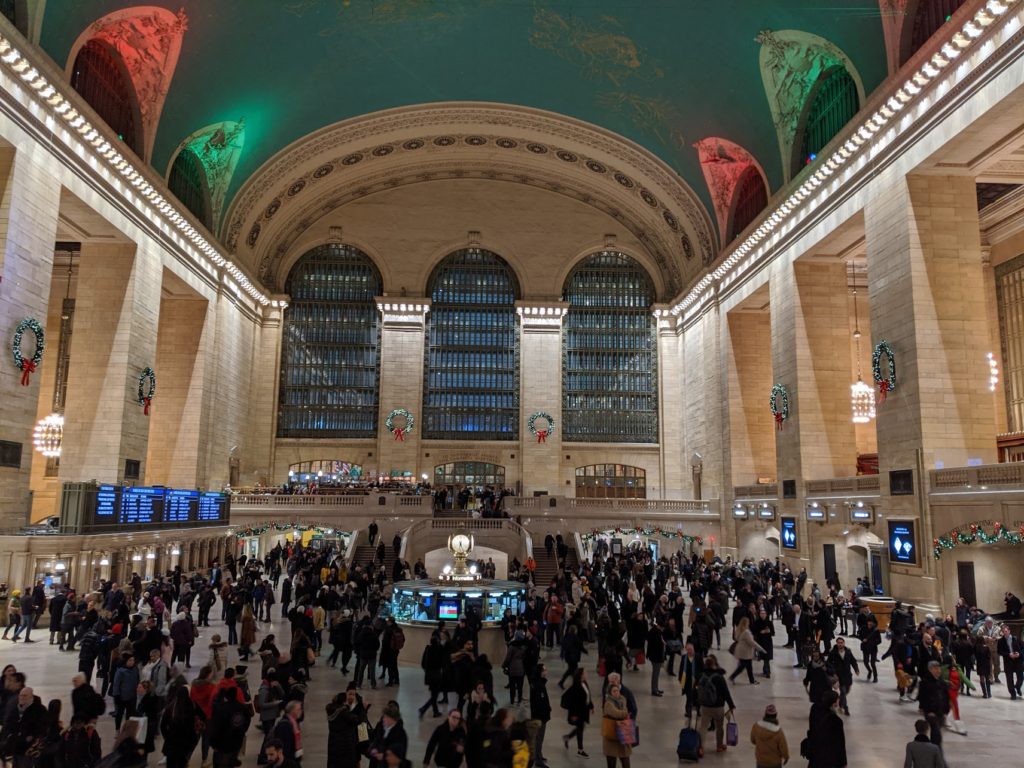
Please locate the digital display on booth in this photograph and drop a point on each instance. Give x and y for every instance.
(125, 508)
(902, 544)
(789, 533)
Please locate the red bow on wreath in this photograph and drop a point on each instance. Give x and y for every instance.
(779, 418)
(399, 434)
(542, 436)
(27, 367)
(145, 405)
(883, 388)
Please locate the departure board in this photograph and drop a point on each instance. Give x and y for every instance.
(108, 508)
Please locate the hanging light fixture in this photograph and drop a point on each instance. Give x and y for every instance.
(862, 397)
(49, 435)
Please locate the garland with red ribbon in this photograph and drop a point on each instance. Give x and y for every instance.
(779, 411)
(146, 395)
(886, 384)
(400, 431)
(541, 434)
(28, 366)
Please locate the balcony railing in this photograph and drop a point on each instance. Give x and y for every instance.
(980, 478)
(849, 486)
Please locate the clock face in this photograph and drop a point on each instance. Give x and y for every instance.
(460, 542)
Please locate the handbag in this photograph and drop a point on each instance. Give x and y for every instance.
(732, 733)
(362, 732)
(624, 731)
(732, 648)
(608, 729)
(640, 659)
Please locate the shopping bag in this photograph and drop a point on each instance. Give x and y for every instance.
(624, 731)
(732, 733)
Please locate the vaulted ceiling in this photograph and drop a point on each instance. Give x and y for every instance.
(663, 73)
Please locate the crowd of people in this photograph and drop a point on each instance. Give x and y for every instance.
(612, 619)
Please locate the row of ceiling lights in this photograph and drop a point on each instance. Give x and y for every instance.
(931, 69)
(49, 94)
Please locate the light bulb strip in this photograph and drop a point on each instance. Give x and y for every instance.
(967, 37)
(51, 98)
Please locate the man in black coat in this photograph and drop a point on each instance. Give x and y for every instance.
(27, 724)
(540, 710)
(842, 662)
(389, 734)
(85, 702)
(288, 731)
(825, 745)
(933, 699)
(1009, 649)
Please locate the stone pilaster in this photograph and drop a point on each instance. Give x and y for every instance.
(266, 366)
(751, 432)
(675, 467)
(116, 318)
(401, 380)
(540, 387)
(29, 203)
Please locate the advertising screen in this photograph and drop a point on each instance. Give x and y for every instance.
(448, 609)
(902, 544)
(789, 540)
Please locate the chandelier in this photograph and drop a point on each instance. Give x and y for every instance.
(862, 397)
(48, 435)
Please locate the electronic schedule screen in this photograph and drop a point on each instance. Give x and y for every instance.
(107, 508)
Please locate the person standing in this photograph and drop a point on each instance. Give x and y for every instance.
(289, 731)
(763, 630)
(655, 655)
(769, 740)
(870, 639)
(126, 681)
(515, 666)
(178, 727)
(578, 705)
(227, 730)
(366, 645)
(372, 532)
(613, 713)
(540, 710)
(1009, 649)
(921, 753)
(345, 714)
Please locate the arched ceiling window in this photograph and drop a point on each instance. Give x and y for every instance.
(609, 353)
(187, 180)
(471, 371)
(833, 105)
(928, 18)
(749, 199)
(100, 77)
(330, 351)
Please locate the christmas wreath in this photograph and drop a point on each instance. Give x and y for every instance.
(28, 366)
(541, 434)
(885, 384)
(146, 395)
(779, 411)
(400, 432)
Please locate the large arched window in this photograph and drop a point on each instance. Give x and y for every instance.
(331, 346)
(610, 361)
(611, 481)
(834, 103)
(187, 180)
(928, 18)
(749, 199)
(101, 78)
(471, 372)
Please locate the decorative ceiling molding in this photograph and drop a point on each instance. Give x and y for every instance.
(724, 162)
(148, 39)
(791, 63)
(218, 148)
(894, 20)
(517, 144)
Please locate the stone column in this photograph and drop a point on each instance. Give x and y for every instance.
(266, 365)
(927, 297)
(675, 467)
(401, 380)
(116, 316)
(751, 432)
(176, 448)
(540, 390)
(29, 203)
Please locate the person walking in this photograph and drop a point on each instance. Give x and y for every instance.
(447, 744)
(515, 666)
(763, 630)
(178, 727)
(366, 645)
(921, 753)
(126, 681)
(540, 710)
(656, 655)
(613, 714)
(933, 699)
(572, 652)
(744, 648)
(227, 730)
(691, 667)
(345, 715)
(713, 696)
(433, 662)
(870, 639)
(1009, 649)
(826, 738)
(769, 740)
(577, 703)
(842, 661)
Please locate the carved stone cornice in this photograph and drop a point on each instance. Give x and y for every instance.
(403, 314)
(541, 316)
(387, 149)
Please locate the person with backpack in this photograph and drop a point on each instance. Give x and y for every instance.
(80, 745)
(713, 696)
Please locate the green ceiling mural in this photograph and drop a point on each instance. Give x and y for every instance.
(663, 73)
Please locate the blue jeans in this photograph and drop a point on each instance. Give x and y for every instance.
(26, 624)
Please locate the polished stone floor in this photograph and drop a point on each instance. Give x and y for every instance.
(876, 731)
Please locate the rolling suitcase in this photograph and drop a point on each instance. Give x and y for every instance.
(689, 743)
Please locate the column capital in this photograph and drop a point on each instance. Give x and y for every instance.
(403, 312)
(668, 324)
(541, 316)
